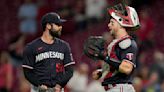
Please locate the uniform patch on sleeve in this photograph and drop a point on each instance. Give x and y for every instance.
(125, 44)
(129, 56)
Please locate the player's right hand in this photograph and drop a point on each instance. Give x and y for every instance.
(57, 88)
(43, 88)
(96, 74)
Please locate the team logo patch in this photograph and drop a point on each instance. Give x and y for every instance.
(129, 56)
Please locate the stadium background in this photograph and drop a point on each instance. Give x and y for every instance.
(20, 24)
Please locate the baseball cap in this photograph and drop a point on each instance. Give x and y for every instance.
(52, 17)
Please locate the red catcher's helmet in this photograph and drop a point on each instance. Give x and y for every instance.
(125, 15)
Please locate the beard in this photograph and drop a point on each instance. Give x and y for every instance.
(55, 33)
(112, 32)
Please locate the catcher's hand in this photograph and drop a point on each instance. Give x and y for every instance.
(96, 74)
(94, 48)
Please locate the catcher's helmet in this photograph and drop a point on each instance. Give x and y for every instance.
(125, 15)
(51, 18)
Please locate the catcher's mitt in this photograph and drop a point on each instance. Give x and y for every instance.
(94, 47)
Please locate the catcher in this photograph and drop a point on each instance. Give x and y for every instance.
(121, 52)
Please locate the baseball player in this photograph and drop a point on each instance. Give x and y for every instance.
(121, 52)
(48, 62)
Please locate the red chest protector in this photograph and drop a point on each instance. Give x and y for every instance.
(111, 52)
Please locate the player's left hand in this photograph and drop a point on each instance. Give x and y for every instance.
(94, 48)
(101, 55)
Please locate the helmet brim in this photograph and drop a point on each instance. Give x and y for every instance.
(62, 20)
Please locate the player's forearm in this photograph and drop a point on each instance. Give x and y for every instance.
(121, 66)
(125, 67)
(30, 76)
(113, 62)
(63, 78)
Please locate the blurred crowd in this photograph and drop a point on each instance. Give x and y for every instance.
(20, 24)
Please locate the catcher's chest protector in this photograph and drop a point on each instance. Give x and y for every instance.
(112, 53)
(112, 47)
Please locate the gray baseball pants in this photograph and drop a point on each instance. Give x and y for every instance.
(121, 88)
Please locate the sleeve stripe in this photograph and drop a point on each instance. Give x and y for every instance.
(69, 64)
(26, 66)
(130, 62)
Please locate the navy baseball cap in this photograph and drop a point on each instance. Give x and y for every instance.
(52, 17)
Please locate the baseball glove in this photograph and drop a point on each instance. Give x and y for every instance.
(94, 47)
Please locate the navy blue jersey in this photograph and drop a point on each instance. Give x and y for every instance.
(123, 49)
(48, 61)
